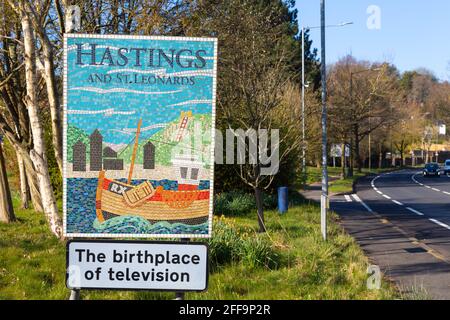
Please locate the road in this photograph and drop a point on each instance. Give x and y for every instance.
(402, 221)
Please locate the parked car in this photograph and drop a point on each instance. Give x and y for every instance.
(431, 169)
(446, 169)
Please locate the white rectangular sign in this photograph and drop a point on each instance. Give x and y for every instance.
(135, 265)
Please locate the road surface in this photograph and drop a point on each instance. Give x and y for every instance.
(402, 221)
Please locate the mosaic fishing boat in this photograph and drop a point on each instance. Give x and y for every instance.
(187, 204)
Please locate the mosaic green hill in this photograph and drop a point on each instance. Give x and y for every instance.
(73, 135)
(165, 144)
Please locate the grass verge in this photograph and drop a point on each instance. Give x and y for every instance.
(289, 262)
(336, 184)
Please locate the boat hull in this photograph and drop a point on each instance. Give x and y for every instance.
(110, 203)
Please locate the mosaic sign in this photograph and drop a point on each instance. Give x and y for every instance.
(139, 116)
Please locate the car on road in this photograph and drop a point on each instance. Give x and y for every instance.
(446, 169)
(431, 169)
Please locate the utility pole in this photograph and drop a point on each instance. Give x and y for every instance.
(303, 109)
(324, 197)
(370, 149)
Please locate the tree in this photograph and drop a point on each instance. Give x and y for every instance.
(6, 207)
(361, 95)
(49, 74)
(257, 52)
(38, 152)
(14, 119)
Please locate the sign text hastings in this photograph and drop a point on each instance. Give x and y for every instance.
(137, 57)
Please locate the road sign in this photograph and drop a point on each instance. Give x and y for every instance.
(137, 265)
(336, 150)
(139, 124)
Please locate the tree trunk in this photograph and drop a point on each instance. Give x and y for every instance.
(55, 112)
(50, 81)
(24, 188)
(350, 163)
(30, 174)
(260, 210)
(38, 153)
(6, 207)
(380, 157)
(357, 155)
(35, 194)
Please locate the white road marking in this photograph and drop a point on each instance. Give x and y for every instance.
(347, 197)
(401, 204)
(362, 202)
(440, 223)
(426, 186)
(415, 211)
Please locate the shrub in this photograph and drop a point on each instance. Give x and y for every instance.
(233, 245)
(237, 202)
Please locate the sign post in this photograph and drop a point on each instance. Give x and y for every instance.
(139, 131)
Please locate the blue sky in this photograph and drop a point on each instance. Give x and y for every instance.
(413, 33)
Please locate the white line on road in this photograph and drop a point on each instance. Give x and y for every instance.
(440, 223)
(362, 202)
(415, 211)
(401, 204)
(347, 197)
(413, 177)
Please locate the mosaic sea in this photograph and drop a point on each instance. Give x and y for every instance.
(81, 217)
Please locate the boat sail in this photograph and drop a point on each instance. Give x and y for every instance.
(188, 204)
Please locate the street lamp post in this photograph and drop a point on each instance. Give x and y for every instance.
(303, 110)
(324, 196)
